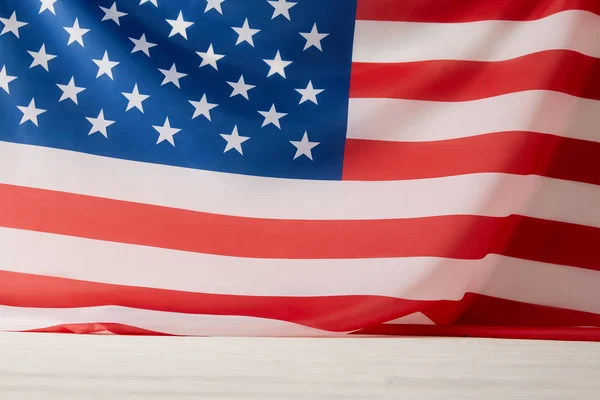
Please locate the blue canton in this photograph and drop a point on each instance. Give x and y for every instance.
(256, 87)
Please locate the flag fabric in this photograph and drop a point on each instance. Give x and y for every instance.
(300, 168)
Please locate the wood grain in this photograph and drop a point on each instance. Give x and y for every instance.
(65, 367)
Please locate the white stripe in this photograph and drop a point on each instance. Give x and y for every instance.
(416, 278)
(22, 319)
(494, 195)
(417, 318)
(384, 41)
(424, 121)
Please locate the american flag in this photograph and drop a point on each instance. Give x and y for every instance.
(305, 168)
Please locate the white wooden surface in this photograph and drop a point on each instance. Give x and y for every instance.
(48, 367)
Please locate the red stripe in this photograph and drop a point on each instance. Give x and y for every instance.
(96, 327)
(457, 236)
(503, 332)
(332, 313)
(521, 153)
(499, 332)
(451, 80)
(467, 10)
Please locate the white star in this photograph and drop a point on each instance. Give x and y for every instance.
(30, 113)
(5, 79)
(203, 107)
(12, 25)
(272, 117)
(209, 57)
(155, 2)
(99, 124)
(214, 4)
(135, 99)
(105, 66)
(245, 33)
(166, 132)
(277, 65)
(70, 91)
(41, 58)
(112, 14)
(281, 7)
(179, 26)
(240, 87)
(310, 93)
(313, 38)
(76, 33)
(142, 44)
(172, 76)
(47, 5)
(234, 141)
(304, 147)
